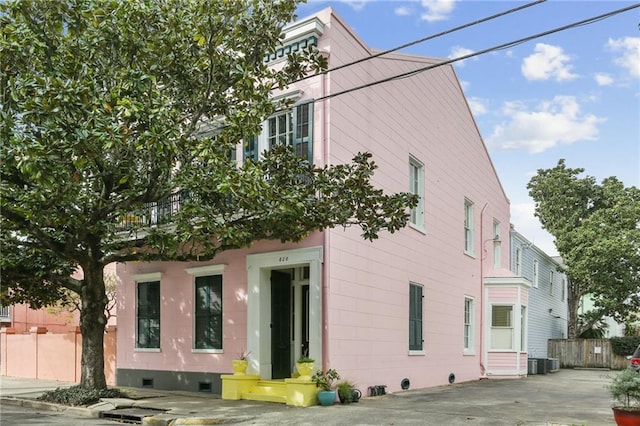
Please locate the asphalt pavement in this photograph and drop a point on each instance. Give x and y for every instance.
(567, 397)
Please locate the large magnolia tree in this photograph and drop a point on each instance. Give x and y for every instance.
(597, 233)
(108, 106)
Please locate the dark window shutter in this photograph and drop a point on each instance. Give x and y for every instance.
(303, 130)
(415, 317)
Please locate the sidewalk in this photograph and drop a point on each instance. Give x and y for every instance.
(569, 397)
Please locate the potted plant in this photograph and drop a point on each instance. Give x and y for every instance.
(625, 390)
(304, 365)
(241, 363)
(347, 392)
(324, 379)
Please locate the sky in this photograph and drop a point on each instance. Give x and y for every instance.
(572, 95)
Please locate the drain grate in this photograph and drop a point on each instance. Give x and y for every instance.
(130, 415)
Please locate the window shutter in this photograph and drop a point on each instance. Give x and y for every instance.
(303, 130)
(415, 317)
(250, 149)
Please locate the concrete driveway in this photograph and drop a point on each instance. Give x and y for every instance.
(568, 397)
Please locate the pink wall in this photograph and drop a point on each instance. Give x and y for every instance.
(176, 312)
(50, 356)
(427, 117)
(367, 284)
(23, 318)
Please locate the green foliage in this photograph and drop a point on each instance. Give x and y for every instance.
(596, 232)
(324, 379)
(78, 396)
(345, 390)
(305, 359)
(625, 388)
(624, 346)
(592, 333)
(106, 106)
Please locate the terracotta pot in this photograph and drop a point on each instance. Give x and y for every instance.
(626, 416)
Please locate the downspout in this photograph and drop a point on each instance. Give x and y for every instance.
(483, 370)
(327, 237)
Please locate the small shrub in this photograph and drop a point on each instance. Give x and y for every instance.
(77, 396)
(625, 389)
(624, 345)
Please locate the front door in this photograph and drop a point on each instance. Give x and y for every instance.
(280, 325)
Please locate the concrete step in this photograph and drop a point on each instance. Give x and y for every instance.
(268, 390)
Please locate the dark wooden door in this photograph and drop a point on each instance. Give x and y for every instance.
(280, 325)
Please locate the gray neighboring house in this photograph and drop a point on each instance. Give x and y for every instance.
(547, 307)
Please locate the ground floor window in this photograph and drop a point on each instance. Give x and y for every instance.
(468, 337)
(208, 312)
(148, 315)
(415, 317)
(502, 327)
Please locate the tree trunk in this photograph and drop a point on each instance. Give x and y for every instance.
(92, 325)
(573, 305)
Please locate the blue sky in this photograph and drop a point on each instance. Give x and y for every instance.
(573, 95)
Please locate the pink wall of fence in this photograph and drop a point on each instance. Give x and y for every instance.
(48, 356)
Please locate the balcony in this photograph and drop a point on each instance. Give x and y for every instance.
(155, 214)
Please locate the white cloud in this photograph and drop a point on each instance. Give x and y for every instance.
(552, 123)
(603, 79)
(356, 4)
(524, 221)
(548, 62)
(437, 10)
(477, 106)
(403, 11)
(458, 51)
(629, 50)
(465, 85)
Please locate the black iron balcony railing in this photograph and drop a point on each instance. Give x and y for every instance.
(156, 213)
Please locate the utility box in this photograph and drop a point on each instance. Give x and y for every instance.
(553, 365)
(542, 365)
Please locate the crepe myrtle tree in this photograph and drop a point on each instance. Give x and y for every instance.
(597, 232)
(102, 110)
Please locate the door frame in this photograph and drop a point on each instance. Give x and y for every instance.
(259, 268)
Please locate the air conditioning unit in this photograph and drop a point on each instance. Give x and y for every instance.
(532, 366)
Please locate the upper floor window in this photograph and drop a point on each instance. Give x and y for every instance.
(293, 127)
(497, 251)
(416, 186)
(518, 262)
(468, 227)
(148, 315)
(535, 273)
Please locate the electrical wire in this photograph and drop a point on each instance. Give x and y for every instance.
(481, 52)
(422, 40)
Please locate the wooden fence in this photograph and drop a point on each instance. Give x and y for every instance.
(585, 353)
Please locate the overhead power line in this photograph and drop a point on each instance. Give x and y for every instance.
(482, 52)
(422, 40)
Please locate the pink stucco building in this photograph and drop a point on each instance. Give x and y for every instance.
(431, 304)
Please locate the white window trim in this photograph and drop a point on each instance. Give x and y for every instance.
(497, 248)
(471, 349)
(518, 261)
(468, 205)
(146, 278)
(203, 271)
(512, 328)
(419, 223)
